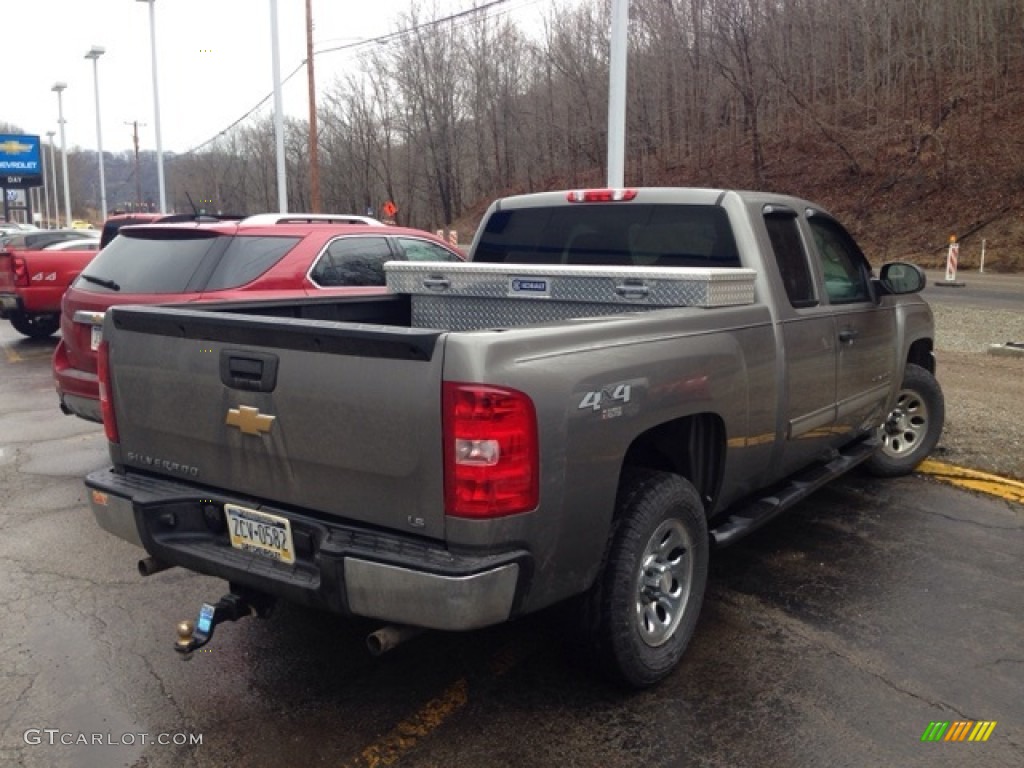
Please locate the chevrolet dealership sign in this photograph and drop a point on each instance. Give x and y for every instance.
(20, 165)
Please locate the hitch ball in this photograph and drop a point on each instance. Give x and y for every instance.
(185, 630)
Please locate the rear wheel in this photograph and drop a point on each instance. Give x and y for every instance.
(913, 427)
(35, 326)
(642, 611)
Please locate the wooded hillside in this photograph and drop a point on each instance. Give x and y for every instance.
(904, 117)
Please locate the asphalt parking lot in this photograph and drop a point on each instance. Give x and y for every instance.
(835, 636)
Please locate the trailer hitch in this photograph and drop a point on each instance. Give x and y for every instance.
(235, 605)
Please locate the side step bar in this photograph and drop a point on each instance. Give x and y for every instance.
(749, 518)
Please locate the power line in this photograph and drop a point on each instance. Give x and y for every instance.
(379, 40)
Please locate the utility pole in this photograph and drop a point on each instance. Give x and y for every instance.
(138, 176)
(314, 152)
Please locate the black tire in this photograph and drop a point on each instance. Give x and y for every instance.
(639, 619)
(35, 326)
(912, 428)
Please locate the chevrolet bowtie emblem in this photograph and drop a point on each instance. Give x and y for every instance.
(14, 147)
(249, 420)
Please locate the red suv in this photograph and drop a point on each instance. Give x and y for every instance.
(265, 256)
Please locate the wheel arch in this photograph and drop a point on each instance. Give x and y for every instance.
(691, 446)
(921, 354)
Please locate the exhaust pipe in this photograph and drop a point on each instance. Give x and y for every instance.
(151, 565)
(390, 637)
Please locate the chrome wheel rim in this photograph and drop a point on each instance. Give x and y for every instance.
(663, 583)
(906, 426)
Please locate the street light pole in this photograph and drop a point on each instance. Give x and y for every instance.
(617, 94)
(53, 184)
(156, 107)
(282, 182)
(46, 188)
(94, 53)
(58, 88)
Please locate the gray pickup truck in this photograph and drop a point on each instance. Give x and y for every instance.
(615, 384)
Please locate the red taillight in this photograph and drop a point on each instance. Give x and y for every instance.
(601, 195)
(490, 451)
(106, 393)
(20, 270)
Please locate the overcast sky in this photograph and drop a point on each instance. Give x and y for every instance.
(213, 60)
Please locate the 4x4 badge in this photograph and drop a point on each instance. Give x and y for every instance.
(249, 420)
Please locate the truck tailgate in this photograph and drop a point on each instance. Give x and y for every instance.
(343, 419)
(6, 272)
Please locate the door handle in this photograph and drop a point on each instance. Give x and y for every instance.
(847, 335)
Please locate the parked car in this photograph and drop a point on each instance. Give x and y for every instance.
(264, 256)
(114, 223)
(40, 238)
(85, 244)
(14, 227)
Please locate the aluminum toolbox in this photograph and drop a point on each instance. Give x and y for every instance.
(462, 297)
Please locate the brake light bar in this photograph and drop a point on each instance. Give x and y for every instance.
(491, 456)
(106, 393)
(601, 195)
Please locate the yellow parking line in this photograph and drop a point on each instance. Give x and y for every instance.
(1002, 487)
(394, 745)
(404, 736)
(12, 356)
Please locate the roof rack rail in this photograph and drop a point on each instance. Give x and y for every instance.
(268, 219)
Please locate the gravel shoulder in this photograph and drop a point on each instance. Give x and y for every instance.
(984, 392)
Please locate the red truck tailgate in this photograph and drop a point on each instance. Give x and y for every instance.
(6, 272)
(42, 276)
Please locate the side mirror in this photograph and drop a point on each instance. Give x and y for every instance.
(900, 277)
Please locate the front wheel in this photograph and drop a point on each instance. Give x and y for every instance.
(643, 609)
(35, 326)
(912, 428)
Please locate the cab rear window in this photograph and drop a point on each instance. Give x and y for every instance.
(614, 234)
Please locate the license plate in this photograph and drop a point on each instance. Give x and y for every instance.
(95, 337)
(259, 532)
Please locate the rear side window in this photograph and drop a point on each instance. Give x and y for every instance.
(149, 262)
(246, 258)
(616, 234)
(415, 249)
(352, 261)
(791, 257)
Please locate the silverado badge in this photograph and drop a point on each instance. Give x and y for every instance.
(249, 420)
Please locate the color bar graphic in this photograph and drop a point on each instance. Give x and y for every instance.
(959, 730)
